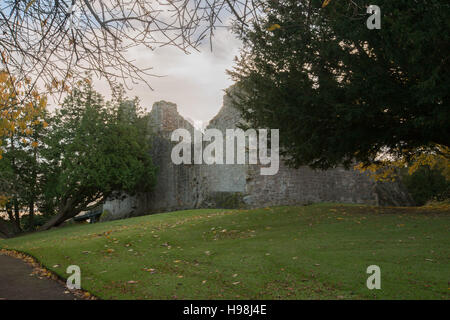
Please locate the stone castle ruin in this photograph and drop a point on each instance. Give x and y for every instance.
(189, 186)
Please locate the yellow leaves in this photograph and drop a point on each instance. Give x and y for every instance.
(383, 171)
(437, 157)
(15, 115)
(274, 27)
(35, 94)
(54, 83)
(3, 76)
(42, 102)
(3, 199)
(22, 124)
(18, 109)
(325, 3)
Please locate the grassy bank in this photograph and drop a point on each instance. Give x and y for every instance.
(318, 251)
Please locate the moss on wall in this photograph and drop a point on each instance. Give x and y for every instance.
(226, 200)
(105, 216)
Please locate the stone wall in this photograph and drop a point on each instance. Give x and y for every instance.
(178, 186)
(195, 186)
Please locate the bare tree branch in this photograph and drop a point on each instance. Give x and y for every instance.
(57, 42)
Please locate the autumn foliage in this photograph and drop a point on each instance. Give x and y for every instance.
(386, 169)
(20, 107)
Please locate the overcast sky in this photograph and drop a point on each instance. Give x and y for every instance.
(195, 82)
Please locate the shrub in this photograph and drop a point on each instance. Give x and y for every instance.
(427, 184)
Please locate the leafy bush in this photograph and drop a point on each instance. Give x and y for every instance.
(427, 184)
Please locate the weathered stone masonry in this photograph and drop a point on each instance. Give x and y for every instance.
(196, 186)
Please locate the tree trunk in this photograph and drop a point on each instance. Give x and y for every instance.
(58, 219)
(31, 215)
(35, 183)
(65, 212)
(12, 219)
(5, 229)
(17, 215)
(70, 209)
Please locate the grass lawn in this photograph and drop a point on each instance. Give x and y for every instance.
(308, 252)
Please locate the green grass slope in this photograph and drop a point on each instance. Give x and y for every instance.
(310, 252)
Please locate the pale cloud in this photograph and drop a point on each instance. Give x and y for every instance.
(195, 81)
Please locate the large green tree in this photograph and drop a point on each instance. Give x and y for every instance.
(20, 172)
(93, 150)
(340, 92)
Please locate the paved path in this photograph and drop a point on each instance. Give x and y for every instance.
(17, 284)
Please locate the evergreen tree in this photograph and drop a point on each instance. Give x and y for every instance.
(340, 92)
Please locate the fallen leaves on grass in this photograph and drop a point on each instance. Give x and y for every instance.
(151, 270)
